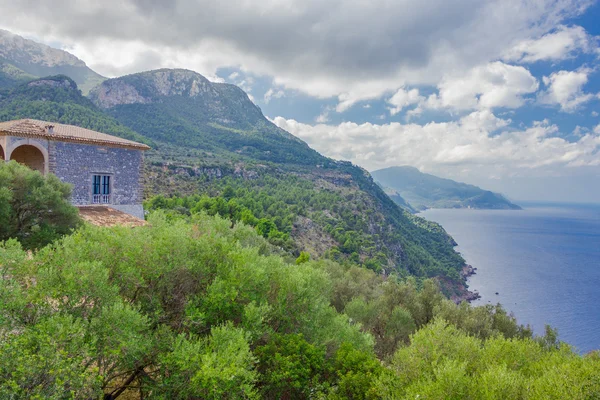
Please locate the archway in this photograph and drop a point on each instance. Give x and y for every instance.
(31, 156)
(2, 157)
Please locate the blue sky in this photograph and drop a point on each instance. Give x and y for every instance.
(500, 93)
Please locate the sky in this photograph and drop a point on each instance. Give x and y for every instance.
(504, 94)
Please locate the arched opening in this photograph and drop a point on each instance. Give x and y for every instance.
(30, 156)
(2, 157)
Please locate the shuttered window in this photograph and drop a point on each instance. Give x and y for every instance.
(101, 189)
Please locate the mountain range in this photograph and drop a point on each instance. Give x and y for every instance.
(209, 138)
(421, 191)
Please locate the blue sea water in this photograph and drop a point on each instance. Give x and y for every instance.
(543, 261)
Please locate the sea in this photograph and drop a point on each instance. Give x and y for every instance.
(541, 263)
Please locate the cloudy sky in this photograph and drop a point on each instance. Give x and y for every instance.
(500, 93)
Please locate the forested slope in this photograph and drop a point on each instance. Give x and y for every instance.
(58, 99)
(202, 308)
(211, 136)
(208, 137)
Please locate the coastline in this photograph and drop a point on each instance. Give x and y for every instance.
(541, 264)
(466, 294)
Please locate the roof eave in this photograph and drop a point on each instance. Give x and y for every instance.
(71, 139)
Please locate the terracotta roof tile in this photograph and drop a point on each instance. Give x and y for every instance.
(66, 133)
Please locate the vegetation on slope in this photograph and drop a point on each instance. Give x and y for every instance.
(57, 99)
(183, 108)
(207, 309)
(320, 206)
(428, 191)
(218, 138)
(11, 76)
(351, 228)
(33, 209)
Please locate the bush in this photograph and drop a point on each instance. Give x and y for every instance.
(34, 209)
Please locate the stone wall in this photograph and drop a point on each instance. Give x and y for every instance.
(77, 163)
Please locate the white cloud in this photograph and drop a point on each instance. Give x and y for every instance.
(492, 85)
(323, 118)
(303, 45)
(595, 113)
(479, 143)
(597, 129)
(273, 94)
(565, 88)
(246, 84)
(404, 98)
(560, 44)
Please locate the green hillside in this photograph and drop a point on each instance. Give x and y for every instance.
(201, 308)
(184, 109)
(57, 99)
(11, 76)
(329, 209)
(210, 137)
(424, 191)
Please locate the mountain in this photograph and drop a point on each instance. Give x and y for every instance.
(58, 99)
(11, 76)
(21, 59)
(210, 139)
(183, 108)
(424, 191)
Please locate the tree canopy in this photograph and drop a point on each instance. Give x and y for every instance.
(34, 209)
(203, 308)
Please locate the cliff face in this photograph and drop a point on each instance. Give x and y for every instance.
(39, 60)
(184, 108)
(148, 87)
(214, 102)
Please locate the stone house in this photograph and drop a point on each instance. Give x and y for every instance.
(103, 169)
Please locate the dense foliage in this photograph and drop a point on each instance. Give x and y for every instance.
(204, 309)
(216, 137)
(34, 209)
(351, 227)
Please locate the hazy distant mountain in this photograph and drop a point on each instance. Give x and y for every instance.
(428, 191)
(21, 58)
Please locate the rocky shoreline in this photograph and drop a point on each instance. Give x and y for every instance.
(466, 295)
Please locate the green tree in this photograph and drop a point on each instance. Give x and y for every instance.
(291, 367)
(302, 258)
(34, 209)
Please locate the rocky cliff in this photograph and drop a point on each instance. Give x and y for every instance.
(184, 108)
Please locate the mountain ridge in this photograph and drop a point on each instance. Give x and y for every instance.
(40, 60)
(217, 140)
(422, 190)
(58, 99)
(184, 108)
